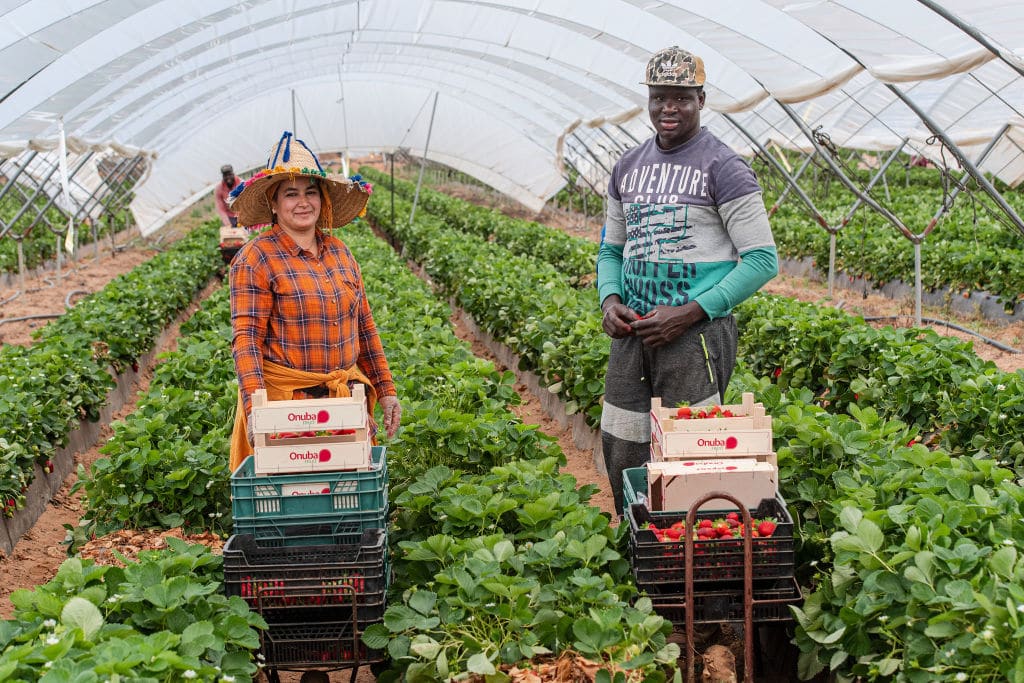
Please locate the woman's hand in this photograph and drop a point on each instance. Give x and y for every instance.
(392, 414)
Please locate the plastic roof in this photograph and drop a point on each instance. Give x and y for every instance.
(517, 83)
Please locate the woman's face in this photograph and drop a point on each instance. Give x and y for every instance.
(297, 204)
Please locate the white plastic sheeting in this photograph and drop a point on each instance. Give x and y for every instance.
(199, 84)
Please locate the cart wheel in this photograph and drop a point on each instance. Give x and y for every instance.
(315, 677)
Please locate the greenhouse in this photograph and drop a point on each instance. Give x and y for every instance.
(479, 144)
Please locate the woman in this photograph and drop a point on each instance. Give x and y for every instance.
(301, 323)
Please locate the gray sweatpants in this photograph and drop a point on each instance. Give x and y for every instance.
(679, 371)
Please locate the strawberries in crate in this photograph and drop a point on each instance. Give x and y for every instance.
(658, 555)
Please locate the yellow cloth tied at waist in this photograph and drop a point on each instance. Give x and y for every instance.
(281, 383)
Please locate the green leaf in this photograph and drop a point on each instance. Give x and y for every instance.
(850, 518)
(480, 664)
(423, 602)
(1003, 560)
(870, 534)
(80, 613)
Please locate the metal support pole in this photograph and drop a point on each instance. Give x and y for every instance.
(947, 203)
(789, 186)
(850, 185)
(21, 169)
(392, 191)
(423, 161)
(295, 130)
(575, 138)
(880, 174)
(972, 32)
(580, 175)
(975, 172)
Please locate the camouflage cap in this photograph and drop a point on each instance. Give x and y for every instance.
(675, 66)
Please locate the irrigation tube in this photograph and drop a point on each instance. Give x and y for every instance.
(936, 321)
(43, 316)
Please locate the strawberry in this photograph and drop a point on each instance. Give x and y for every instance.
(684, 413)
(673, 534)
(766, 528)
(705, 524)
(728, 413)
(735, 516)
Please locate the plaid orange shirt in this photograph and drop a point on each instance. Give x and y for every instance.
(306, 312)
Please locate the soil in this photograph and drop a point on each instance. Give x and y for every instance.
(40, 552)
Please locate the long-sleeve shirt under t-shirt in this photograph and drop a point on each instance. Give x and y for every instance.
(685, 225)
(303, 311)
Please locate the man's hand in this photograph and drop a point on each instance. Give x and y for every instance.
(392, 414)
(665, 323)
(617, 318)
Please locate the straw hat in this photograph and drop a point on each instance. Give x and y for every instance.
(289, 158)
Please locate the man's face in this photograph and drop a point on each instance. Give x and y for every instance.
(229, 179)
(675, 113)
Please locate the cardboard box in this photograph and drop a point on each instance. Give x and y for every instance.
(272, 417)
(677, 484)
(233, 236)
(748, 432)
(768, 456)
(314, 454)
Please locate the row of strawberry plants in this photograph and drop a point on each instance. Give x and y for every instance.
(524, 303)
(48, 387)
(575, 257)
(957, 255)
(936, 384)
(161, 617)
(914, 558)
(456, 413)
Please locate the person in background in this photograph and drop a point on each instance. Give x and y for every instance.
(228, 181)
(302, 325)
(686, 239)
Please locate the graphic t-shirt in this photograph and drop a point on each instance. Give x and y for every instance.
(677, 225)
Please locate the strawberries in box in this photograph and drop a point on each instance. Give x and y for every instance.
(311, 435)
(736, 429)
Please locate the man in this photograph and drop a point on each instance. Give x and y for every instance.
(228, 182)
(231, 236)
(686, 238)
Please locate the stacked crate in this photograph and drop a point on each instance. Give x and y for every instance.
(691, 458)
(309, 552)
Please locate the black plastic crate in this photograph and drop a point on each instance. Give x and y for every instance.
(660, 564)
(315, 645)
(280, 532)
(298, 579)
(771, 604)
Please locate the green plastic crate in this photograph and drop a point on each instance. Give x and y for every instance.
(634, 486)
(266, 507)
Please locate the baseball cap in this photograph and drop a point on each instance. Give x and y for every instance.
(675, 66)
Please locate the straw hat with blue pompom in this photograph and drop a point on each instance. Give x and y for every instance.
(344, 199)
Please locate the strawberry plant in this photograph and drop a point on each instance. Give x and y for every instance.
(160, 617)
